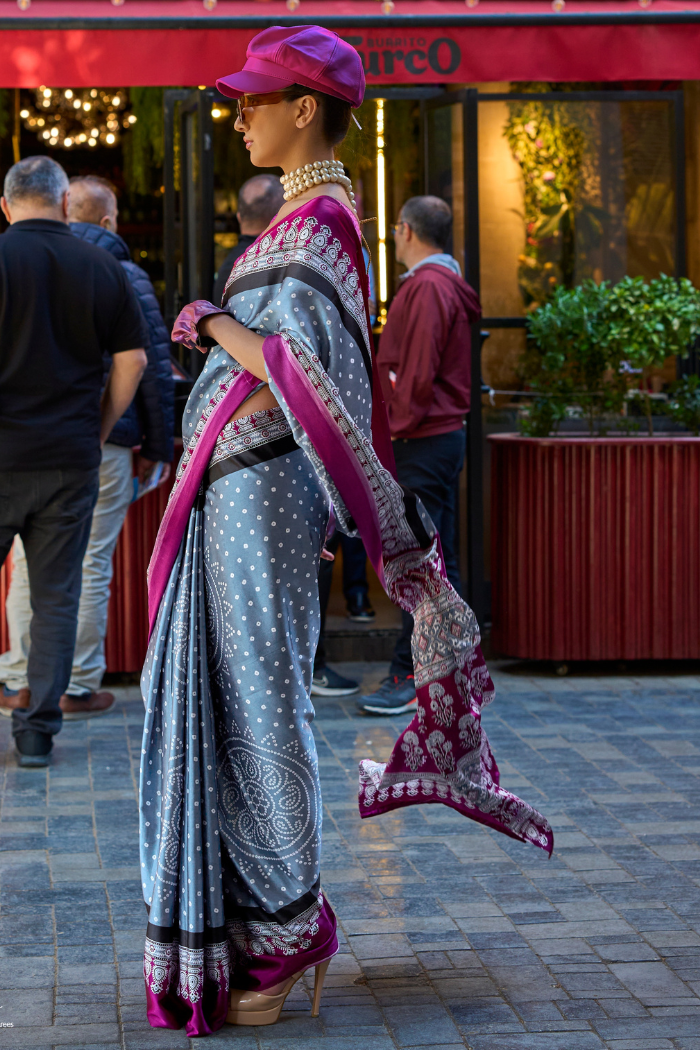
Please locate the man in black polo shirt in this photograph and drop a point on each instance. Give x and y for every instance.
(63, 303)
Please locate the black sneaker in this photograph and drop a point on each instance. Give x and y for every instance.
(395, 695)
(33, 748)
(327, 682)
(359, 610)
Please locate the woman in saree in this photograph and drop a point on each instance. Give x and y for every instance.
(285, 432)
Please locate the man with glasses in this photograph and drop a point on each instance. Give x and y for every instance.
(424, 366)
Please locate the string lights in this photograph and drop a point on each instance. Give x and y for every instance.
(82, 118)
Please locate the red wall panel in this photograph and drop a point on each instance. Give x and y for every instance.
(5, 577)
(127, 630)
(595, 552)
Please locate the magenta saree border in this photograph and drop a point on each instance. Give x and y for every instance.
(329, 209)
(174, 521)
(330, 446)
(190, 987)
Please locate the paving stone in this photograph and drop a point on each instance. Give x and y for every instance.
(582, 1008)
(86, 1013)
(492, 1013)
(652, 983)
(673, 938)
(632, 952)
(527, 983)
(36, 972)
(647, 1028)
(85, 1035)
(154, 1038)
(640, 1044)
(26, 1007)
(229, 1035)
(598, 947)
(373, 1041)
(623, 1007)
(538, 1041)
(413, 1026)
(385, 946)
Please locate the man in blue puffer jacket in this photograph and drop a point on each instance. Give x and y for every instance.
(148, 422)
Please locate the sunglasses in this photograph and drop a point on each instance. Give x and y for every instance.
(251, 101)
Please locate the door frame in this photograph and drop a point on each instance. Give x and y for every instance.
(188, 211)
(468, 99)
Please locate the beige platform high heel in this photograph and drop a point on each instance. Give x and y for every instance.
(255, 1008)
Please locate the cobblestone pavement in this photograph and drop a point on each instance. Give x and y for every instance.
(452, 936)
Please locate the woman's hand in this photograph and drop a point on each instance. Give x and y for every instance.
(202, 319)
(243, 345)
(185, 329)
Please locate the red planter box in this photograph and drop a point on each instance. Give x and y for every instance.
(595, 548)
(127, 629)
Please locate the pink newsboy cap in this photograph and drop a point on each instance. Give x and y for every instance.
(307, 55)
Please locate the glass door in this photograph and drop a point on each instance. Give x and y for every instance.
(576, 185)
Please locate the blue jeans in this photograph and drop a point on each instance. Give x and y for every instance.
(430, 467)
(51, 510)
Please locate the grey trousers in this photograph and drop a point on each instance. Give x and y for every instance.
(116, 492)
(51, 511)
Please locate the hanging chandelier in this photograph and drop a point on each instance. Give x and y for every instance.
(67, 118)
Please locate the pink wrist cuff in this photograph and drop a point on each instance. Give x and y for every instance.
(185, 329)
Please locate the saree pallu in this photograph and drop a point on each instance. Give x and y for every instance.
(302, 285)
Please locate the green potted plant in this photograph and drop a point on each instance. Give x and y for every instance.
(587, 343)
(644, 323)
(684, 404)
(566, 364)
(593, 536)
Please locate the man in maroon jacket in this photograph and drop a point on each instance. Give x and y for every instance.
(424, 365)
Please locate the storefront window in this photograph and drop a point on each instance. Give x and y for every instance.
(571, 190)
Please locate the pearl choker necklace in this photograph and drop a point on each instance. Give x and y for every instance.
(297, 182)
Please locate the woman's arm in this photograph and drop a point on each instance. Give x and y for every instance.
(201, 319)
(243, 346)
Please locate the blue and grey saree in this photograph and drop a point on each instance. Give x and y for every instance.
(230, 799)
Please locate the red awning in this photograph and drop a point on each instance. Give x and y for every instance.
(78, 43)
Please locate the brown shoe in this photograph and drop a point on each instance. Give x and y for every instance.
(10, 701)
(76, 708)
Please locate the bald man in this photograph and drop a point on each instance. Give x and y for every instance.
(148, 423)
(259, 200)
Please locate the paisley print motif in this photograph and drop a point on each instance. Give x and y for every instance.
(268, 800)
